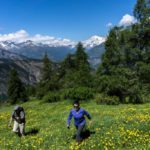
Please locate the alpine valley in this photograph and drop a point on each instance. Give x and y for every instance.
(26, 56)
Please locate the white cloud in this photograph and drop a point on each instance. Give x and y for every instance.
(41, 38)
(109, 25)
(127, 20)
(17, 36)
(22, 36)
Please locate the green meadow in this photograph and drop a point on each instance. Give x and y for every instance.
(112, 127)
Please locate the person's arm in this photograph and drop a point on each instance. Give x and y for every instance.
(10, 121)
(87, 114)
(69, 119)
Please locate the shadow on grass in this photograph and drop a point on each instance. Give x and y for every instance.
(85, 134)
(32, 132)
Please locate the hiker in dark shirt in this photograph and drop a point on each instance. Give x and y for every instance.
(79, 119)
(18, 116)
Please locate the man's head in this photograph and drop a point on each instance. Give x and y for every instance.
(17, 108)
(76, 105)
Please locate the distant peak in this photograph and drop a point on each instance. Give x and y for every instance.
(94, 41)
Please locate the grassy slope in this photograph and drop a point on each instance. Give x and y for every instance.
(115, 127)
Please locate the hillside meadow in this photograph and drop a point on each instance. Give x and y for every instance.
(112, 127)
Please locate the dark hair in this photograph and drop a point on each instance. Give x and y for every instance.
(76, 102)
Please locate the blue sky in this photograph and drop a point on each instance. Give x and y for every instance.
(72, 19)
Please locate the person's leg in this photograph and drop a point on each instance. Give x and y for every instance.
(22, 128)
(75, 134)
(79, 131)
(15, 127)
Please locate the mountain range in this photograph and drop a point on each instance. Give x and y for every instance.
(26, 57)
(56, 49)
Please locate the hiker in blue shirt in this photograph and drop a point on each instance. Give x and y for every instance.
(79, 119)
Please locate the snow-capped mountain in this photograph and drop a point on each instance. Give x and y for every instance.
(56, 49)
(93, 41)
(52, 42)
(8, 45)
(28, 43)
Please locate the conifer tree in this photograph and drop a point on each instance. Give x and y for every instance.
(16, 89)
(49, 80)
(67, 72)
(46, 72)
(83, 74)
(142, 10)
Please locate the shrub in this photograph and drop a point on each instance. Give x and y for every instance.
(136, 95)
(80, 93)
(51, 97)
(109, 100)
(137, 99)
